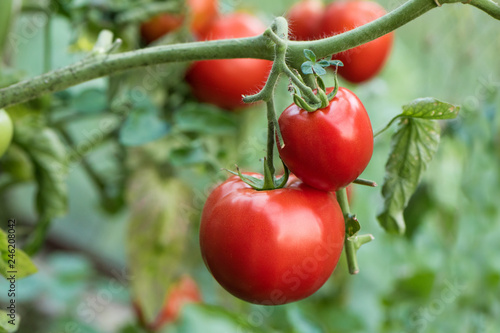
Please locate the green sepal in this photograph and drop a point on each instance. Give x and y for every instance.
(281, 182)
(352, 225)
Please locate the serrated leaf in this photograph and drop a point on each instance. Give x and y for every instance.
(5, 325)
(307, 67)
(318, 69)
(412, 148)
(204, 118)
(310, 55)
(143, 125)
(157, 235)
(430, 108)
(22, 264)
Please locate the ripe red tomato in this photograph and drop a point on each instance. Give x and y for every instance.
(184, 292)
(271, 247)
(223, 82)
(365, 61)
(6, 131)
(330, 147)
(304, 18)
(201, 14)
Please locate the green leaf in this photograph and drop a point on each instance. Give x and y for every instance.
(318, 69)
(90, 101)
(310, 55)
(336, 63)
(5, 325)
(352, 225)
(430, 108)
(307, 67)
(185, 156)
(324, 63)
(157, 235)
(214, 319)
(143, 125)
(412, 148)
(204, 118)
(23, 266)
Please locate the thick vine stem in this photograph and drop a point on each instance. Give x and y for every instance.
(257, 47)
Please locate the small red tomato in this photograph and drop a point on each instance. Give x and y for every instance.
(330, 147)
(365, 61)
(271, 247)
(223, 82)
(201, 14)
(304, 18)
(184, 292)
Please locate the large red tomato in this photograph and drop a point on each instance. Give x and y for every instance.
(330, 147)
(223, 82)
(365, 61)
(201, 14)
(271, 247)
(304, 18)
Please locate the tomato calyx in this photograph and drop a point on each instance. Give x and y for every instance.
(269, 182)
(317, 67)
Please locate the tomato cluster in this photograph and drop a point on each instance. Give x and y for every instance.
(309, 19)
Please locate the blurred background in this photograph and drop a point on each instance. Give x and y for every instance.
(142, 155)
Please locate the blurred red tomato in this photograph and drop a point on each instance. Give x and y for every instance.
(223, 82)
(304, 18)
(201, 14)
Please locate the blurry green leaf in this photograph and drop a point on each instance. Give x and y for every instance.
(412, 148)
(142, 126)
(20, 261)
(157, 235)
(5, 325)
(299, 322)
(430, 108)
(204, 118)
(419, 204)
(90, 101)
(214, 319)
(416, 287)
(185, 156)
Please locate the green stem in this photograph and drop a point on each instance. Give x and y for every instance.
(271, 116)
(363, 34)
(349, 247)
(487, 6)
(387, 126)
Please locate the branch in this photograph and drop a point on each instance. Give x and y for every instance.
(105, 64)
(488, 6)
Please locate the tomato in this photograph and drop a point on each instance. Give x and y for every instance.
(6, 131)
(185, 291)
(223, 82)
(330, 147)
(271, 247)
(365, 61)
(304, 18)
(201, 13)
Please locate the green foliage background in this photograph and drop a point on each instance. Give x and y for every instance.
(442, 276)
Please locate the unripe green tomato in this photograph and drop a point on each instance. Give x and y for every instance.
(6, 131)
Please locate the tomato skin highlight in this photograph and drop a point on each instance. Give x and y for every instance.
(223, 82)
(328, 148)
(201, 14)
(304, 18)
(271, 247)
(364, 61)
